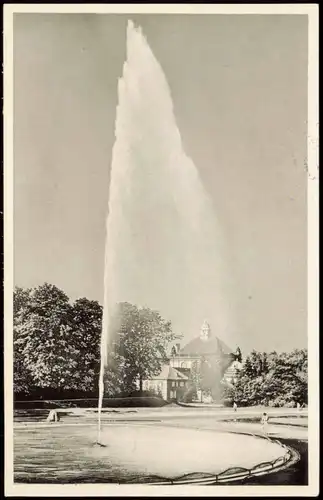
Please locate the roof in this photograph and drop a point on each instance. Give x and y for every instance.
(209, 346)
(184, 371)
(170, 373)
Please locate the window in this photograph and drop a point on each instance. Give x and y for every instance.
(182, 384)
(184, 365)
(173, 384)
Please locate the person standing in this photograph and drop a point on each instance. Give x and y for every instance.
(264, 422)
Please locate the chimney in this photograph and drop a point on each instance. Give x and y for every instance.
(178, 346)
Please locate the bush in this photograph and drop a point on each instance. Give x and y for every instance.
(281, 402)
(290, 404)
(227, 403)
(188, 395)
(127, 402)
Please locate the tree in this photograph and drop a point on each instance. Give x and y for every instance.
(256, 364)
(21, 298)
(271, 379)
(86, 335)
(56, 343)
(43, 336)
(22, 379)
(287, 377)
(116, 381)
(140, 339)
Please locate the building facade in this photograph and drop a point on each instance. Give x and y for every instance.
(219, 362)
(231, 374)
(205, 346)
(169, 384)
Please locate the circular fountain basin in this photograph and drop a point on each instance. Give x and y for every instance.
(134, 453)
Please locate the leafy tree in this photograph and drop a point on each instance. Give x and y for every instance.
(22, 378)
(116, 381)
(86, 324)
(56, 344)
(43, 336)
(256, 364)
(274, 379)
(287, 378)
(141, 338)
(21, 298)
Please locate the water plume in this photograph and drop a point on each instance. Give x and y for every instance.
(163, 247)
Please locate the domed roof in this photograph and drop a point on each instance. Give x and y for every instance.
(206, 344)
(209, 346)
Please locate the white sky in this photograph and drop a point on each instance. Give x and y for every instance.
(239, 86)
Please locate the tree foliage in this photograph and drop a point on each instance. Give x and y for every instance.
(86, 334)
(22, 378)
(273, 379)
(141, 338)
(57, 343)
(57, 347)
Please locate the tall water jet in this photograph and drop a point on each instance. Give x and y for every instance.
(164, 245)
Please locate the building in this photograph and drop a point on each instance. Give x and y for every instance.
(205, 346)
(169, 384)
(231, 373)
(219, 363)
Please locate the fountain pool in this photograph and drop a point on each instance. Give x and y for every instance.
(134, 453)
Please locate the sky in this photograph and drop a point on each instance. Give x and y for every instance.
(239, 89)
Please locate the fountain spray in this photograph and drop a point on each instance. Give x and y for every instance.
(164, 246)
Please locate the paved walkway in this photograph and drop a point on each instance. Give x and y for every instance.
(273, 431)
(244, 420)
(128, 429)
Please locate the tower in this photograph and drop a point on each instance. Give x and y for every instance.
(205, 331)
